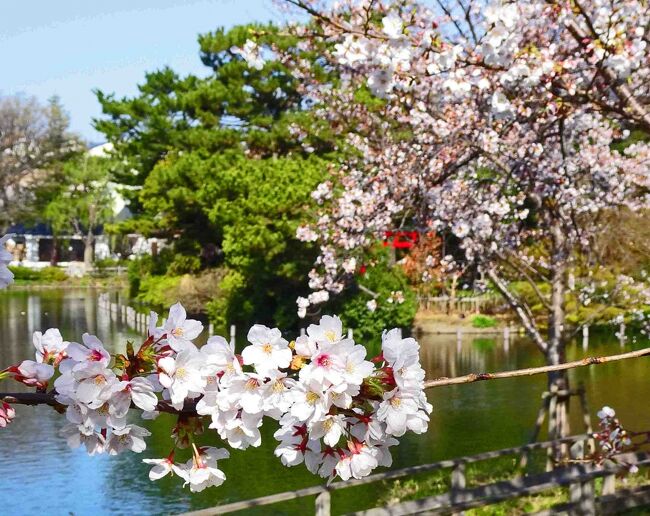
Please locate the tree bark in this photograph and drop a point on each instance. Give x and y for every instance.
(54, 259)
(451, 307)
(89, 240)
(558, 381)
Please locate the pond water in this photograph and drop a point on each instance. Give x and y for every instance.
(39, 474)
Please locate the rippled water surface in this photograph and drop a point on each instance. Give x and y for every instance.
(40, 475)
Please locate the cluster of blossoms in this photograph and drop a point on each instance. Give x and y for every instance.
(612, 439)
(338, 412)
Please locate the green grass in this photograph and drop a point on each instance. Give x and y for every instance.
(487, 472)
(483, 321)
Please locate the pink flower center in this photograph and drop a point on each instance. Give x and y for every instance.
(95, 356)
(323, 361)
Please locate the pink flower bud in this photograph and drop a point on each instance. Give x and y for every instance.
(7, 413)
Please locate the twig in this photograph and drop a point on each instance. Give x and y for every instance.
(48, 398)
(530, 371)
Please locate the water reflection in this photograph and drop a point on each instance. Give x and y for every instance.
(467, 419)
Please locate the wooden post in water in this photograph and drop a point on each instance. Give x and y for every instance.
(210, 329)
(585, 336)
(233, 334)
(621, 334)
(302, 332)
(350, 333)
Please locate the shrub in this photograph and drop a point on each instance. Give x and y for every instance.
(483, 321)
(53, 274)
(183, 264)
(106, 263)
(389, 282)
(25, 274)
(48, 274)
(158, 291)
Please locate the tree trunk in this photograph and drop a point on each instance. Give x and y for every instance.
(54, 259)
(89, 240)
(558, 382)
(451, 307)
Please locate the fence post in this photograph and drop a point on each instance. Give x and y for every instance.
(582, 493)
(458, 483)
(575, 490)
(609, 485)
(586, 418)
(323, 504)
(233, 333)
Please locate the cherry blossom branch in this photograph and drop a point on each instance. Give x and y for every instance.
(530, 371)
(528, 278)
(622, 91)
(520, 307)
(48, 398)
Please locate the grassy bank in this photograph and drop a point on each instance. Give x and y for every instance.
(422, 486)
(55, 277)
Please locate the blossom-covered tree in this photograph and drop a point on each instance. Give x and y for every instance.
(503, 124)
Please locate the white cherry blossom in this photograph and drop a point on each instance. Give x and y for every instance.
(161, 468)
(34, 373)
(268, 350)
(202, 471)
(50, 346)
(181, 376)
(179, 330)
(92, 350)
(131, 437)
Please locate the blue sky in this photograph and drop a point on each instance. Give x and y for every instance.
(70, 47)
